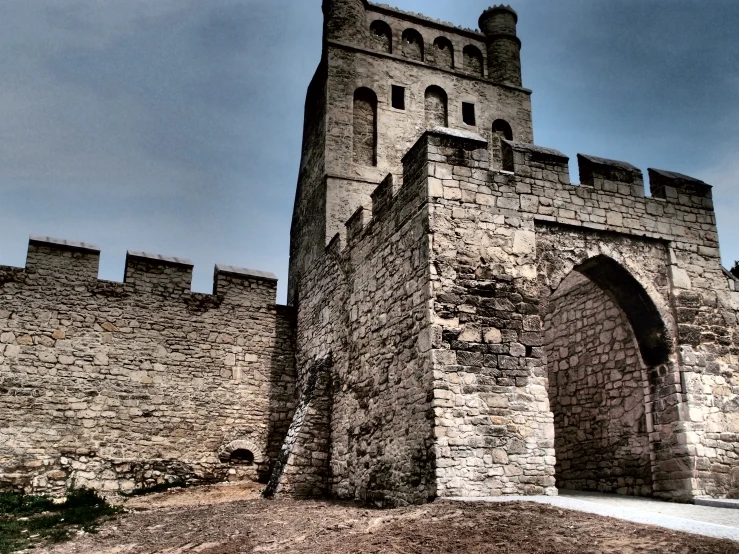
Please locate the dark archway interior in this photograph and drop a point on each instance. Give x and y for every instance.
(241, 456)
(645, 319)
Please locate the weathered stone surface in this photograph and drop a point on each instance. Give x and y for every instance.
(97, 376)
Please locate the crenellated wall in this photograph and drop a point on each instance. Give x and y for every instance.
(468, 257)
(124, 385)
(364, 306)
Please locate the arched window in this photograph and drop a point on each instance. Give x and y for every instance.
(436, 107)
(501, 130)
(412, 44)
(381, 36)
(472, 60)
(442, 54)
(365, 127)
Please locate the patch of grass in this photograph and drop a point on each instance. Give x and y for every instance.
(28, 519)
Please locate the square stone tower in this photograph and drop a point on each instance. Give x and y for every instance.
(384, 78)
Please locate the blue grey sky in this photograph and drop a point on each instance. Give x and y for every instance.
(174, 126)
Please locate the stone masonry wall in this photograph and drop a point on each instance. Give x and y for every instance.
(597, 390)
(697, 308)
(493, 425)
(123, 385)
(367, 305)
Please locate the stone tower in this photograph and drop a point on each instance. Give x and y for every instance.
(384, 78)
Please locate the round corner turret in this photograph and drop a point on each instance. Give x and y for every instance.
(498, 24)
(498, 20)
(345, 20)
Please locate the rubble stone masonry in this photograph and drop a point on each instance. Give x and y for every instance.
(126, 385)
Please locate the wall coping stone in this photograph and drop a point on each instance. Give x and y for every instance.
(244, 272)
(169, 260)
(62, 244)
(534, 149)
(595, 160)
(457, 133)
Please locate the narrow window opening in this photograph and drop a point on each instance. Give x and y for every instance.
(398, 97)
(365, 127)
(501, 130)
(468, 114)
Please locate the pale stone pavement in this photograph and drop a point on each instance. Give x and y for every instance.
(690, 518)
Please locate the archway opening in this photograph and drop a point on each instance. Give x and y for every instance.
(412, 45)
(442, 54)
(472, 60)
(381, 36)
(603, 335)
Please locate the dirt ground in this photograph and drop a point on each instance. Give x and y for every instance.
(234, 520)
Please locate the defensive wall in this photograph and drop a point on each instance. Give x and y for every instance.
(126, 385)
(453, 370)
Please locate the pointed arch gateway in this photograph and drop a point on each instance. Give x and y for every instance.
(608, 358)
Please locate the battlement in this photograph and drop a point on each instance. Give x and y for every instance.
(67, 263)
(606, 176)
(671, 185)
(393, 205)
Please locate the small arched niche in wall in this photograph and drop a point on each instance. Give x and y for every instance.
(412, 45)
(442, 54)
(241, 456)
(241, 452)
(381, 36)
(472, 59)
(364, 127)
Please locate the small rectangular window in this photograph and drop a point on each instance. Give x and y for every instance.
(398, 97)
(468, 113)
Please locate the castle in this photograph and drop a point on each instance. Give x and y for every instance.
(461, 320)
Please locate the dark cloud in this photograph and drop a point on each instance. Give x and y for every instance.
(175, 125)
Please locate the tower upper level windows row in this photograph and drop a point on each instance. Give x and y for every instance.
(434, 112)
(440, 53)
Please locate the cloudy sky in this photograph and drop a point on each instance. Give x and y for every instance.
(174, 126)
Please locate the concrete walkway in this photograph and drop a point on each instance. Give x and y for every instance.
(711, 521)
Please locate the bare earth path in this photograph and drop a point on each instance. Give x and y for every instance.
(233, 519)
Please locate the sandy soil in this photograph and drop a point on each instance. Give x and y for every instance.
(234, 519)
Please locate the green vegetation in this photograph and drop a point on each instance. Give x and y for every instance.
(735, 270)
(27, 519)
